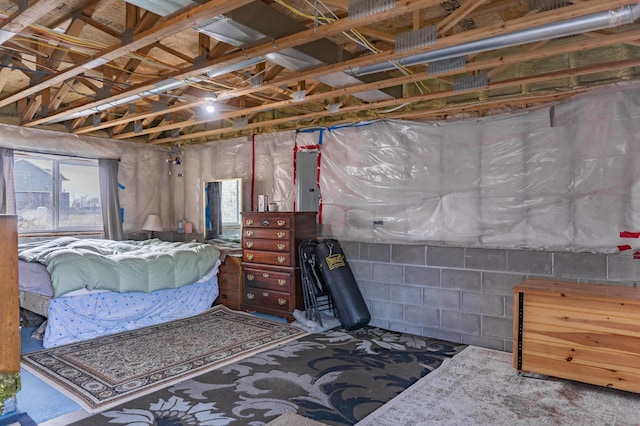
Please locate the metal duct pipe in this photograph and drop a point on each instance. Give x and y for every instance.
(610, 19)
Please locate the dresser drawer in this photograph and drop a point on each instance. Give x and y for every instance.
(278, 222)
(229, 298)
(267, 298)
(228, 280)
(269, 258)
(267, 245)
(268, 279)
(266, 234)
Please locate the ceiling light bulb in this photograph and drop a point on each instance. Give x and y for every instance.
(211, 108)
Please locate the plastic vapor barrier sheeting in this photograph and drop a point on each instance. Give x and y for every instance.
(270, 174)
(566, 177)
(142, 172)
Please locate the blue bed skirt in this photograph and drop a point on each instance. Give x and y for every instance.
(81, 317)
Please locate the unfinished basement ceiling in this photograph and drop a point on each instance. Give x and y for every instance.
(147, 70)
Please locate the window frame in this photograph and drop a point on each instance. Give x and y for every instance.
(56, 162)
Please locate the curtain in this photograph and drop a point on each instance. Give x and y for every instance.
(214, 209)
(7, 188)
(111, 216)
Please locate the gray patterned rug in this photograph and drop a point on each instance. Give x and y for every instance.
(480, 387)
(336, 377)
(107, 371)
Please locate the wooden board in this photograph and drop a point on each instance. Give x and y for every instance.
(9, 302)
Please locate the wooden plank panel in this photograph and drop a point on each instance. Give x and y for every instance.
(575, 354)
(595, 291)
(591, 340)
(582, 320)
(581, 373)
(581, 303)
(9, 302)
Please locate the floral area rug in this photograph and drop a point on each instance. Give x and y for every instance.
(107, 371)
(336, 377)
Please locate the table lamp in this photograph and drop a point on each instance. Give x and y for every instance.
(152, 224)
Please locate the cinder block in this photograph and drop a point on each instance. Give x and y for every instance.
(581, 265)
(623, 267)
(484, 342)
(380, 323)
(387, 311)
(375, 252)
(452, 257)
(413, 255)
(460, 279)
(411, 295)
(351, 250)
(508, 346)
(508, 307)
(422, 275)
(419, 315)
(388, 272)
(530, 262)
(461, 322)
(497, 327)
(402, 327)
(486, 304)
(441, 298)
(438, 333)
(374, 290)
(486, 259)
(500, 282)
(361, 270)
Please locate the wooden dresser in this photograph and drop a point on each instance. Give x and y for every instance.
(9, 310)
(230, 282)
(584, 332)
(270, 268)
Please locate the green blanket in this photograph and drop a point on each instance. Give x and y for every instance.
(121, 266)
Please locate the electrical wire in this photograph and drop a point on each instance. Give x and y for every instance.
(354, 36)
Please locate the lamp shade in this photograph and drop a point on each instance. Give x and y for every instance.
(152, 223)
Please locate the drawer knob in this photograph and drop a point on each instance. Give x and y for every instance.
(250, 277)
(249, 233)
(281, 222)
(281, 247)
(250, 256)
(249, 244)
(282, 302)
(282, 281)
(281, 234)
(225, 279)
(265, 294)
(250, 296)
(266, 223)
(248, 222)
(281, 259)
(265, 275)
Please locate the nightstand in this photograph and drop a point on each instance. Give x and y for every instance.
(230, 282)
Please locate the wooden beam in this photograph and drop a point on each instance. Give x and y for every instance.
(182, 22)
(536, 54)
(18, 21)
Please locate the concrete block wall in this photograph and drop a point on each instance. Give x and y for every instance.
(465, 294)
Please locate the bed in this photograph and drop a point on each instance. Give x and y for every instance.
(88, 288)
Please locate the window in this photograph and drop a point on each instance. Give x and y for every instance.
(56, 194)
(231, 202)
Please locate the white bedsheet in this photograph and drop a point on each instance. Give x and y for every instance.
(74, 318)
